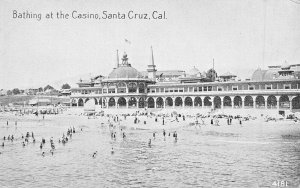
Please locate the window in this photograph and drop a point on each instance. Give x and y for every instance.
(234, 88)
(171, 90)
(190, 89)
(157, 90)
(186, 89)
(161, 90)
(176, 90)
(181, 90)
(200, 88)
(121, 90)
(287, 86)
(167, 90)
(152, 90)
(268, 86)
(195, 89)
(251, 87)
(205, 88)
(209, 88)
(111, 90)
(220, 89)
(104, 90)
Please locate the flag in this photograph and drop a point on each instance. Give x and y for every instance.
(161, 75)
(127, 41)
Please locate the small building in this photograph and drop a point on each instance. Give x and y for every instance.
(39, 102)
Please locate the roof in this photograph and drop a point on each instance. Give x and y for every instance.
(227, 74)
(125, 72)
(35, 101)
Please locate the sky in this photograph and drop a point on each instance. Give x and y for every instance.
(240, 35)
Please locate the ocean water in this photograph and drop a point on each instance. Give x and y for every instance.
(254, 155)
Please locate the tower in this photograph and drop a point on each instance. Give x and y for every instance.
(117, 63)
(151, 68)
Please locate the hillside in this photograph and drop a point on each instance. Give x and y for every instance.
(20, 99)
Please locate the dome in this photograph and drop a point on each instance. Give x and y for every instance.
(258, 75)
(125, 72)
(193, 72)
(271, 74)
(285, 65)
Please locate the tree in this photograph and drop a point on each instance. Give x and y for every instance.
(9, 92)
(16, 91)
(65, 86)
(48, 87)
(211, 75)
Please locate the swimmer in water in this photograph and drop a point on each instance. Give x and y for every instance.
(112, 151)
(23, 144)
(43, 154)
(149, 143)
(2, 144)
(41, 146)
(95, 154)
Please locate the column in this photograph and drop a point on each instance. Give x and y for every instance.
(193, 102)
(173, 102)
(222, 104)
(291, 102)
(183, 100)
(116, 100)
(127, 102)
(232, 101)
(212, 102)
(164, 102)
(243, 101)
(277, 100)
(155, 102)
(254, 101)
(202, 102)
(266, 102)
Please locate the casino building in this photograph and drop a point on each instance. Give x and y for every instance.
(125, 87)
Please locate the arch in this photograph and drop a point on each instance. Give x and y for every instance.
(121, 102)
(150, 102)
(86, 100)
(132, 102)
(284, 101)
(227, 101)
(169, 101)
(141, 102)
(111, 85)
(296, 102)
(237, 101)
(248, 101)
(141, 88)
(207, 101)
(271, 101)
(260, 101)
(111, 102)
(96, 101)
(188, 101)
(73, 102)
(217, 102)
(121, 84)
(159, 102)
(132, 87)
(178, 101)
(80, 102)
(198, 102)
